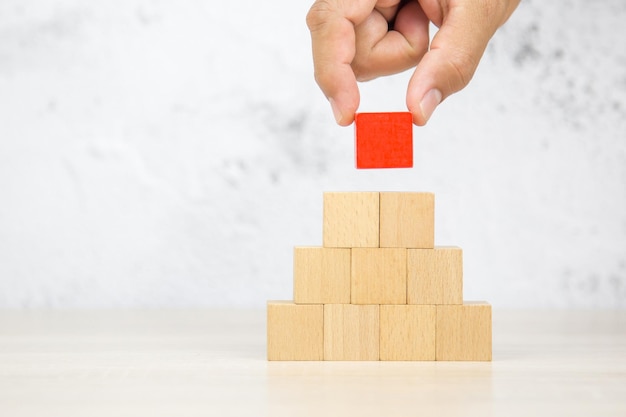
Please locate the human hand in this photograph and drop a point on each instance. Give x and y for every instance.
(359, 40)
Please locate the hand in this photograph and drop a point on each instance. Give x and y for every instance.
(364, 39)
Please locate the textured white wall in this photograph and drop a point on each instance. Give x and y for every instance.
(159, 153)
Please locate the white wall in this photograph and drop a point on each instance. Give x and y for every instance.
(160, 153)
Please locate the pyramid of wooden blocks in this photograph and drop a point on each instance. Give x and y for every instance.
(378, 288)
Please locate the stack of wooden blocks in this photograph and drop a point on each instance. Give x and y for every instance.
(378, 289)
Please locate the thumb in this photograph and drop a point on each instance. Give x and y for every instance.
(449, 65)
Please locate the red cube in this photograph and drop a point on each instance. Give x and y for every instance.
(384, 140)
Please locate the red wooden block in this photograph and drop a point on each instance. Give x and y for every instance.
(384, 140)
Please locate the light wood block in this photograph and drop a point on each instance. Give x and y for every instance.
(351, 220)
(464, 332)
(351, 332)
(378, 276)
(407, 220)
(295, 332)
(435, 276)
(407, 332)
(321, 275)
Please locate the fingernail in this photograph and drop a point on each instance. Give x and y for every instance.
(336, 111)
(429, 103)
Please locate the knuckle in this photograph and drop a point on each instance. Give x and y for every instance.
(321, 76)
(324, 77)
(362, 69)
(359, 70)
(362, 76)
(463, 65)
(318, 14)
(415, 52)
(491, 11)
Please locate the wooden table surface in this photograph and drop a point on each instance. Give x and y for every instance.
(212, 363)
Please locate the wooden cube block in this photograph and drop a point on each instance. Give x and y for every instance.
(351, 332)
(321, 275)
(378, 276)
(407, 220)
(435, 276)
(407, 332)
(295, 332)
(351, 220)
(383, 140)
(464, 332)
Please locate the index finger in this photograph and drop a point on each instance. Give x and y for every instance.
(331, 23)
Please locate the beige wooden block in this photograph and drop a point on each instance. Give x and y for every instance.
(295, 332)
(407, 332)
(321, 275)
(407, 220)
(351, 332)
(378, 276)
(435, 276)
(464, 332)
(351, 220)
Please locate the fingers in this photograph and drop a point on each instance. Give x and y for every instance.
(351, 41)
(454, 54)
(382, 52)
(331, 24)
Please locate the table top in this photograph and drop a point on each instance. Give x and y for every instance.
(212, 362)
